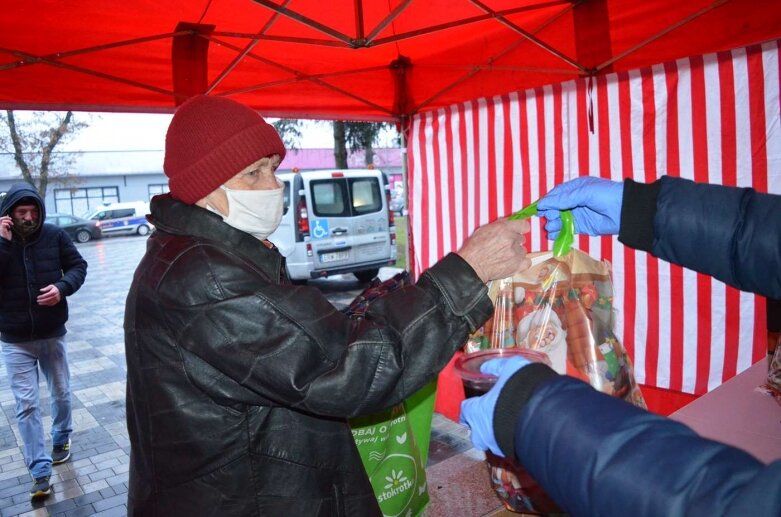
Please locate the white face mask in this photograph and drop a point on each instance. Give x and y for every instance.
(257, 212)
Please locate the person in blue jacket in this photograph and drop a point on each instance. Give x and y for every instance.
(39, 267)
(595, 454)
(732, 234)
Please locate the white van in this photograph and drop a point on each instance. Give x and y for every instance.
(335, 222)
(122, 218)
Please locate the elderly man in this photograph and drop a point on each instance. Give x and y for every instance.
(239, 383)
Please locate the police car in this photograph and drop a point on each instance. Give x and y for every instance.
(123, 218)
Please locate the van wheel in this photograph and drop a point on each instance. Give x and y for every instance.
(367, 275)
(143, 229)
(83, 236)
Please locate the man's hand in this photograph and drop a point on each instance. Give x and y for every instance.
(49, 296)
(478, 412)
(6, 223)
(496, 250)
(595, 204)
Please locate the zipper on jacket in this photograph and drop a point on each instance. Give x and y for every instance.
(283, 279)
(29, 294)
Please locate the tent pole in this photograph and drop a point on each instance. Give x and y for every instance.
(647, 41)
(30, 59)
(305, 20)
(405, 197)
(236, 60)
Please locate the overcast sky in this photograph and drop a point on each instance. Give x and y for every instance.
(134, 131)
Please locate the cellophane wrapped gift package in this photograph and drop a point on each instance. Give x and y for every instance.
(563, 307)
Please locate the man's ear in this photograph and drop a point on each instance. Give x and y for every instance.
(217, 200)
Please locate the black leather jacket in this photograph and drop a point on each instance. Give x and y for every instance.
(239, 384)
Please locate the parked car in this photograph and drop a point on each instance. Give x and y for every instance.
(397, 205)
(80, 230)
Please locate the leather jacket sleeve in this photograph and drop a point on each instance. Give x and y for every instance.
(273, 344)
(598, 455)
(732, 234)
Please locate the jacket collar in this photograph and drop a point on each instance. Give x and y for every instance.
(177, 218)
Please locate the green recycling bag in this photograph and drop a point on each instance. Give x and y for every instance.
(391, 453)
(393, 444)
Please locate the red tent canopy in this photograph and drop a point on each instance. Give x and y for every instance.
(360, 59)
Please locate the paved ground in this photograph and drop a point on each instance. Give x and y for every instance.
(94, 482)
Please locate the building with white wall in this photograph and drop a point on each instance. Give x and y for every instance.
(98, 177)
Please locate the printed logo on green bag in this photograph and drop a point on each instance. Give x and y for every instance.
(397, 474)
(390, 455)
(387, 443)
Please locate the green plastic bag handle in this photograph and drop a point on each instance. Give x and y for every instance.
(566, 238)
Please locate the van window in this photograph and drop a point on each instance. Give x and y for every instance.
(328, 198)
(123, 212)
(366, 196)
(286, 197)
(339, 197)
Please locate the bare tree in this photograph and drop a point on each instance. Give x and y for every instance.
(32, 142)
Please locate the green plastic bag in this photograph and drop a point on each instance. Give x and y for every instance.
(393, 444)
(391, 453)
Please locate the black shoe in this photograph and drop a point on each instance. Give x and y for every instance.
(41, 487)
(61, 453)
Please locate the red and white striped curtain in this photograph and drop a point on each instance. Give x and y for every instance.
(713, 118)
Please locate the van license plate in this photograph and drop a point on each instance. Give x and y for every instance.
(334, 256)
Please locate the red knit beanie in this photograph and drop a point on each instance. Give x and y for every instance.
(210, 140)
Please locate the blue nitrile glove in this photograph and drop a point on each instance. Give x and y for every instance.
(595, 205)
(478, 412)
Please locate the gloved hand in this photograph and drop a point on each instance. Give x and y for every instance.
(595, 204)
(478, 412)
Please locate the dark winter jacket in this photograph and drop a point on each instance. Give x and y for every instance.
(597, 455)
(239, 384)
(46, 257)
(732, 234)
